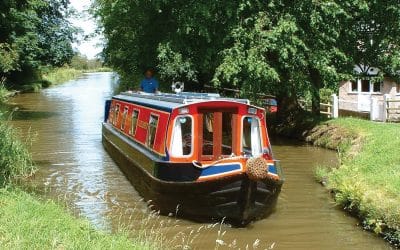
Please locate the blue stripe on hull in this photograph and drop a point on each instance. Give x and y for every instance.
(219, 169)
(272, 169)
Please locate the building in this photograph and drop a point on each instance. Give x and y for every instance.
(356, 96)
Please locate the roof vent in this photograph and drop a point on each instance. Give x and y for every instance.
(178, 87)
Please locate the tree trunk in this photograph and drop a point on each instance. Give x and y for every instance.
(287, 108)
(316, 83)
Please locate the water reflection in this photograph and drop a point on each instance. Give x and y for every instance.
(75, 168)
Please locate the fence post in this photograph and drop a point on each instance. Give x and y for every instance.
(386, 98)
(335, 106)
(374, 109)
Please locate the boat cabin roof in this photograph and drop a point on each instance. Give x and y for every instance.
(168, 102)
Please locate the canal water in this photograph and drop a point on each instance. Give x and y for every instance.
(65, 124)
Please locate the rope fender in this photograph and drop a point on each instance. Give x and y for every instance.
(257, 169)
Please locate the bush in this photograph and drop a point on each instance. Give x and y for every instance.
(32, 87)
(325, 95)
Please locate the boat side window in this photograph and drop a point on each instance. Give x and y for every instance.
(208, 133)
(182, 139)
(116, 114)
(124, 115)
(135, 115)
(251, 141)
(227, 129)
(151, 134)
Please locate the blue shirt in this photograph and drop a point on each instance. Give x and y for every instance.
(149, 85)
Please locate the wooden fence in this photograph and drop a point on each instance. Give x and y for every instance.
(392, 111)
(326, 109)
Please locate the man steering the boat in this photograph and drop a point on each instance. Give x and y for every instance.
(149, 84)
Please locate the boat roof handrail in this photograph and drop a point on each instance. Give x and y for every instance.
(184, 97)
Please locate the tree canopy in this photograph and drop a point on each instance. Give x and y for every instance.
(33, 33)
(282, 47)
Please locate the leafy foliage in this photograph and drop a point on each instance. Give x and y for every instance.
(33, 33)
(286, 48)
(141, 34)
(172, 65)
(81, 62)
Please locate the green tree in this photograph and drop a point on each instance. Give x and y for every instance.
(141, 34)
(288, 48)
(33, 33)
(55, 33)
(372, 35)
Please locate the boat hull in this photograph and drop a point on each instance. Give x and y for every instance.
(236, 198)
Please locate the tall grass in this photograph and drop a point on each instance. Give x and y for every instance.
(3, 91)
(28, 223)
(54, 76)
(15, 159)
(368, 182)
(163, 232)
(60, 75)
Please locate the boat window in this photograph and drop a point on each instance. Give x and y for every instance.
(227, 129)
(182, 139)
(151, 134)
(208, 133)
(135, 115)
(116, 114)
(251, 141)
(124, 115)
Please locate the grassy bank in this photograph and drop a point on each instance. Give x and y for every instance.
(54, 76)
(50, 77)
(28, 222)
(63, 74)
(60, 75)
(367, 183)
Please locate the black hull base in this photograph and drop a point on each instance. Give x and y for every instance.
(236, 198)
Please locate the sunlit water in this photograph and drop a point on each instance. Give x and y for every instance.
(65, 122)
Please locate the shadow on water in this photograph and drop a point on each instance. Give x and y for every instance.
(31, 115)
(75, 168)
(17, 112)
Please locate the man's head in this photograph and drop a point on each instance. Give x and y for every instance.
(149, 73)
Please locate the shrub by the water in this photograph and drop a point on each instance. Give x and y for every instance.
(15, 159)
(60, 75)
(367, 182)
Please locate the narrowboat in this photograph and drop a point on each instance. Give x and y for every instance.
(199, 156)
